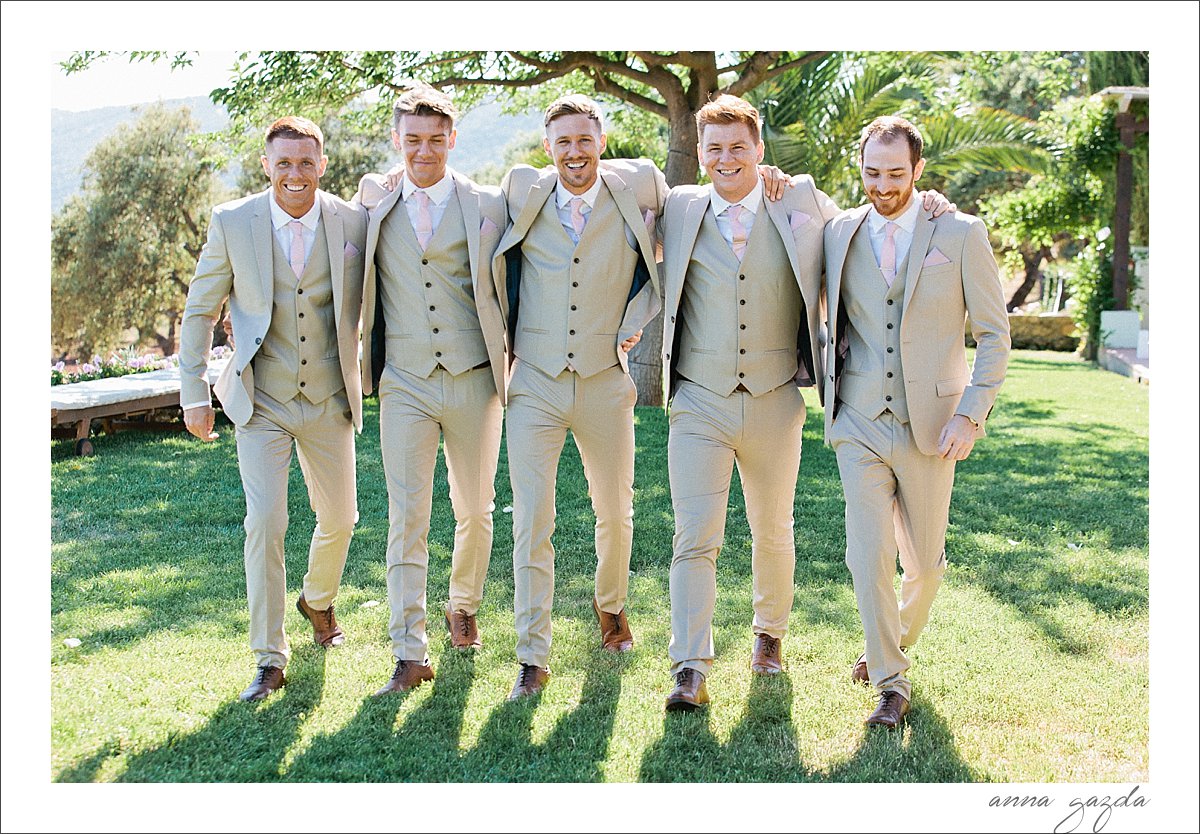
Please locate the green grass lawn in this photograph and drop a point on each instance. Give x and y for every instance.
(1034, 667)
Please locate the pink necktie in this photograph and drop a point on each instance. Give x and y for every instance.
(578, 221)
(424, 219)
(296, 256)
(887, 257)
(736, 230)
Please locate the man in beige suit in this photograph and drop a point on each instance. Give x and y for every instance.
(902, 405)
(290, 262)
(742, 279)
(577, 281)
(434, 336)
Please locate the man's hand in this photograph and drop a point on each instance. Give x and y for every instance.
(628, 344)
(199, 421)
(227, 326)
(394, 177)
(775, 182)
(957, 439)
(936, 202)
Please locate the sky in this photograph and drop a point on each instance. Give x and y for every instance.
(37, 34)
(118, 81)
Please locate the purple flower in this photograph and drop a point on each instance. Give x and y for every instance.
(59, 366)
(88, 368)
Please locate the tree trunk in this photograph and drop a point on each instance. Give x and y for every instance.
(1033, 275)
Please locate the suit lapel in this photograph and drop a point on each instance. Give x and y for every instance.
(538, 194)
(693, 216)
(263, 233)
(922, 235)
(779, 217)
(468, 204)
(837, 258)
(335, 238)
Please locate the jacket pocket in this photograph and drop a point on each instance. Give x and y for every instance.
(951, 387)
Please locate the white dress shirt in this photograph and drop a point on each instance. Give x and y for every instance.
(752, 202)
(439, 198)
(280, 220)
(562, 199)
(906, 223)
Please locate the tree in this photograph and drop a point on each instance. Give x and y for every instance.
(124, 250)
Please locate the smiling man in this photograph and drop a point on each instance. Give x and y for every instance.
(901, 404)
(577, 281)
(290, 262)
(434, 336)
(741, 281)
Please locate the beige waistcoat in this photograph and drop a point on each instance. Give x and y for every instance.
(873, 380)
(299, 354)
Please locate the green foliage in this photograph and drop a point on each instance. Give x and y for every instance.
(1090, 280)
(124, 250)
(813, 117)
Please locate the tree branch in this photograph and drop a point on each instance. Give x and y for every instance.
(606, 85)
(754, 73)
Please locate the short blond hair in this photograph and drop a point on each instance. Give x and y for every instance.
(423, 100)
(727, 110)
(295, 127)
(574, 105)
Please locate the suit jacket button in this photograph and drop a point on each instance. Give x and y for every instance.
(428, 285)
(258, 341)
(239, 373)
(569, 332)
(576, 260)
(741, 277)
(574, 283)
(672, 319)
(303, 361)
(889, 374)
(302, 338)
(890, 302)
(889, 325)
(301, 384)
(741, 376)
(888, 398)
(424, 261)
(435, 330)
(743, 301)
(438, 353)
(741, 327)
(573, 307)
(891, 350)
(743, 350)
(570, 356)
(300, 291)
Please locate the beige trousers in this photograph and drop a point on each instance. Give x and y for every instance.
(413, 413)
(897, 500)
(599, 412)
(708, 435)
(323, 435)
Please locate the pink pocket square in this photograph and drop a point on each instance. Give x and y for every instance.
(350, 250)
(649, 218)
(487, 226)
(935, 258)
(798, 219)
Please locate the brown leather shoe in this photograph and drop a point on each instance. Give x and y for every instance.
(891, 710)
(266, 681)
(690, 691)
(407, 675)
(326, 631)
(530, 681)
(464, 631)
(615, 635)
(767, 658)
(859, 673)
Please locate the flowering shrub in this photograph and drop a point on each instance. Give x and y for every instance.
(121, 363)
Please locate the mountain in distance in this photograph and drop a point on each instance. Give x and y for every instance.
(483, 134)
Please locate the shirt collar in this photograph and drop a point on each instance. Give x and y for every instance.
(438, 193)
(562, 196)
(280, 218)
(751, 202)
(906, 221)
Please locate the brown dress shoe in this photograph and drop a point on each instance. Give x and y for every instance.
(266, 681)
(767, 658)
(326, 631)
(690, 691)
(891, 710)
(859, 673)
(530, 681)
(615, 635)
(464, 631)
(408, 675)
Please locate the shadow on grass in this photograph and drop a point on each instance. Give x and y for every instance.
(242, 742)
(763, 747)
(426, 747)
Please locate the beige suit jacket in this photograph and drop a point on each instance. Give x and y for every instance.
(485, 217)
(799, 217)
(637, 187)
(236, 263)
(951, 275)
